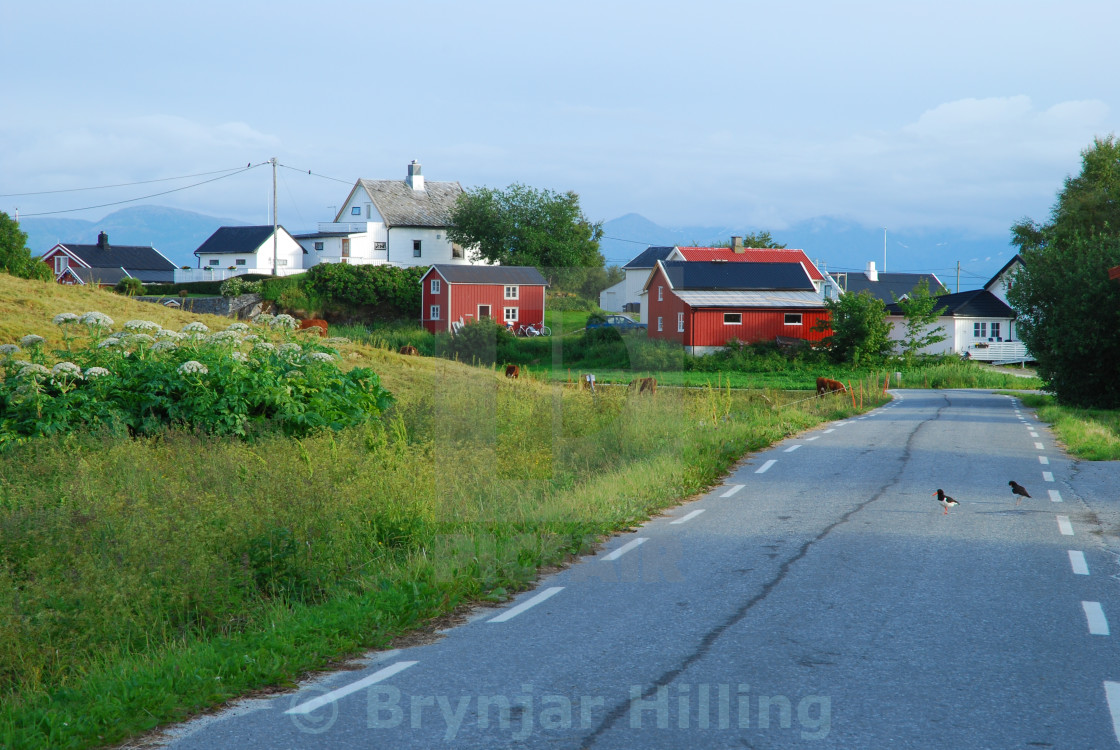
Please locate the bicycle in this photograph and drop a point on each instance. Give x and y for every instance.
(531, 330)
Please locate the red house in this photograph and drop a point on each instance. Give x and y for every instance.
(702, 304)
(737, 253)
(513, 295)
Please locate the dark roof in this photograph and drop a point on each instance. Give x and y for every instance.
(1015, 259)
(136, 257)
(401, 206)
(463, 274)
(977, 303)
(713, 275)
(888, 283)
(649, 257)
(227, 240)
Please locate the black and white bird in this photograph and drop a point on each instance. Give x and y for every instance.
(946, 501)
(1019, 491)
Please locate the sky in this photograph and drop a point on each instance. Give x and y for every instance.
(962, 116)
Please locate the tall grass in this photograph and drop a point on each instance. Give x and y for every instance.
(1092, 434)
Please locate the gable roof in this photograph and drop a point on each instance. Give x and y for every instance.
(463, 274)
(236, 240)
(753, 255)
(132, 257)
(648, 258)
(976, 303)
(746, 276)
(401, 206)
(888, 283)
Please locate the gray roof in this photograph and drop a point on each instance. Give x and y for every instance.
(650, 256)
(401, 206)
(706, 275)
(464, 274)
(241, 240)
(888, 283)
(136, 257)
(977, 303)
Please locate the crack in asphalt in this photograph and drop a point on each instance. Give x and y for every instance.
(714, 634)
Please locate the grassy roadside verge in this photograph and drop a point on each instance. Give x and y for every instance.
(144, 580)
(1092, 434)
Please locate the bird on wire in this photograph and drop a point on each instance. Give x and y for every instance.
(1019, 491)
(946, 501)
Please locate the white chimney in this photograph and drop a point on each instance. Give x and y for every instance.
(872, 274)
(415, 180)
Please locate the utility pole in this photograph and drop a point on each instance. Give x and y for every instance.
(884, 249)
(958, 275)
(275, 223)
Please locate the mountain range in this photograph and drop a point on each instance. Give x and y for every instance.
(835, 244)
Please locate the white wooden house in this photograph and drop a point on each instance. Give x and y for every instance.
(250, 250)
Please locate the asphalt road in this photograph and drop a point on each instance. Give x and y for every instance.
(819, 598)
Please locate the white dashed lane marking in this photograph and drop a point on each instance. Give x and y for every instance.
(733, 490)
(689, 517)
(1055, 496)
(342, 692)
(1064, 526)
(1047, 476)
(625, 548)
(1077, 562)
(509, 614)
(766, 466)
(1094, 615)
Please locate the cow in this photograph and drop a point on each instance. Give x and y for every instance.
(644, 385)
(409, 350)
(512, 371)
(314, 323)
(825, 385)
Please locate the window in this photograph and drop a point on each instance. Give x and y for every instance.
(61, 263)
(509, 314)
(511, 292)
(416, 248)
(995, 331)
(215, 262)
(345, 247)
(660, 323)
(732, 319)
(356, 211)
(318, 247)
(680, 322)
(379, 246)
(660, 293)
(433, 312)
(793, 319)
(435, 286)
(980, 330)
(483, 311)
(282, 262)
(240, 261)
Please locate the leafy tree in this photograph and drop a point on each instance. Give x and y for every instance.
(860, 331)
(1068, 309)
(386, 290)
(758, 240)
(919, 309)
(15, 257)
(524, 226)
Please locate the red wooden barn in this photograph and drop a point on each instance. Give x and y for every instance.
(702, 304)
(513, 295)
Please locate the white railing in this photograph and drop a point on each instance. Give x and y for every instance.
(190, 275)
(997, 351)
(351, 261)
(342, 226)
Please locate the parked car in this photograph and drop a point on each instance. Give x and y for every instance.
(619, 322)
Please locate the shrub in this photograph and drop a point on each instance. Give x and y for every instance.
(130, 286)
(236, 286)
(475, 343)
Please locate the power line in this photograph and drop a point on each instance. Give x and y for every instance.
(315, 174)
(121, 184)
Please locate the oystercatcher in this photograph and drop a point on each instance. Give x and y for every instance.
(946, 501)
(1019, 491)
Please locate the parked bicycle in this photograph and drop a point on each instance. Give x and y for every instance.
(531, 330)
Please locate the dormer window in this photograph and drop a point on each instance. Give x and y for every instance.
(356, 211)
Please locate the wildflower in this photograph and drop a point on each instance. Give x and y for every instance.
(67, 369)
(293, 374)
(252, 338)
(195, 327)
(142, 326)
(96, 320)
(290, 349)
(239, 327)
(34, 371)
(224, 337)
(166, 334)
(164, 345)
(319, 357)
(96, 372)
(193, 367)
(109, 343)
(31, 340)
(64, 319)
(265, 346)
(240, 357)
(284, 321)
(139, 339)
(9, 349)
(264, 319)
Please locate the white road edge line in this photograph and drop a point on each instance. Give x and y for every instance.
(1055, 496)
(625, 548)
(1077, 562)
(1112, 695)
(766, 466)
(733, 490)
(792, 448)
(509, 614)
(689, 517)
(342, 692)
(1064, 526)
(1098, 625)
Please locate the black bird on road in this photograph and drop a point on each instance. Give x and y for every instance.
(946, 501)
(1019, 491)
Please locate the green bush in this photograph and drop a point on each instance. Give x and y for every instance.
(475, 343)
(237, 285)
(387, 291)
(129, 286)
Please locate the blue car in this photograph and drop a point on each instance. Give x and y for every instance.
(618, 322)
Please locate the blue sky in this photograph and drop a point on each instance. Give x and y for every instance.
(941, 115)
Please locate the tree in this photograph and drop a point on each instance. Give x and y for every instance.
(758, 240)
(919, 309)
(1068, 309)
(129, 286)
(860, 331)
(523, 226)
(15, 257)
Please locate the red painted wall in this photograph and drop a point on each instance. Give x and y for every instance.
(666, 309)
(462, 301)
(429, 299)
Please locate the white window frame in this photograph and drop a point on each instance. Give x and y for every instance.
(979, 329)
(732, 319)
(434, 288)
(318, 247)
(660, 323)
(512, 292)
(416, 245)
(660, 294)
(433, 312)
(509, 314)
(993, 329)
(680, 322)
(214, 262)
(793, 319)
(61, 263)
(239, 262)
(355, 210)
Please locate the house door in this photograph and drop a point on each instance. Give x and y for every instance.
(483, 311)
(345, 248)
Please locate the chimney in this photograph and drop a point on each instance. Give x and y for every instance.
(737, 244)
(102, 241)
(415, 179)
(871, 273)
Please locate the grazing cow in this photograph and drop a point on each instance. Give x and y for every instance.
(314, 323)
(587, 382)
(410, 350)
(825, 385)
(644, 385)
(512, 371)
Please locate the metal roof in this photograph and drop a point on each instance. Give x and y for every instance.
(751, 299)
(753, 255)
(649, 257)
(464, 274)
(746, 276)
(888, 283)
(241, 240)
(401, 206)
(115, 256)
(977, 303)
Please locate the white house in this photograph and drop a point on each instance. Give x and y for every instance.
(397, 222)
(250, 250)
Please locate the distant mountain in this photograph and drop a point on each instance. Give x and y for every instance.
(836, 244)
(175, 233)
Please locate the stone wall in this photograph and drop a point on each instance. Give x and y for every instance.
(242, 307)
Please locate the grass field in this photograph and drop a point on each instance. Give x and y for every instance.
(1092, 434)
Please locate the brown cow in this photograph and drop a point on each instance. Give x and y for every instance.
(825, 385)
(512, 371)
(409, 350)
(644, 385)
(314, 323)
